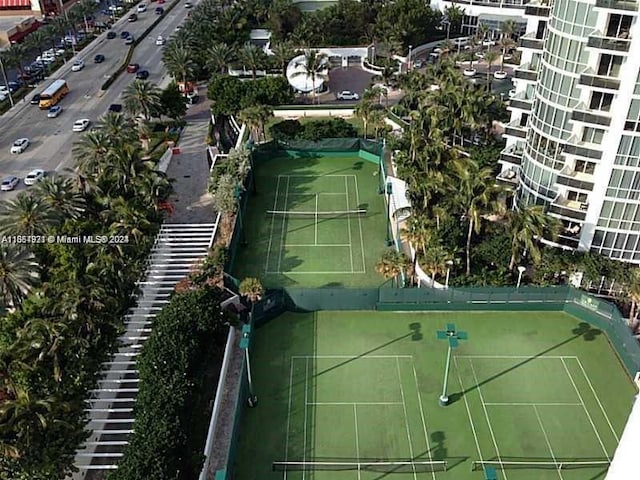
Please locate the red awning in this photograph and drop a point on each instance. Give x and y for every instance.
(15, 3)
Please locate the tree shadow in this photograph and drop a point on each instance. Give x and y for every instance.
(415, 327)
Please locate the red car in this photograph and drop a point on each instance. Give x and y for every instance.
(133, 67)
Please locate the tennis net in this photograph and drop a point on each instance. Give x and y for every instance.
(317, 214)
(383, 467)
(557, 465)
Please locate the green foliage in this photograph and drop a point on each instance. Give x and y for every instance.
(172, 103)
(313, 130)
(183, 332)
(229, 94)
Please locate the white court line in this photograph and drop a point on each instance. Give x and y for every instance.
(346, 186)
(286, 443)
(284, 220)
(319, 175)
(534, 404)
(597, 399)
(466, 404)
(309, 194)
(523, 357)
(354, 403)
(309, 245)
(273, 219)
(316, 226)
(486, 414)
(546, 438)
(306, 389)
(351, 356)
(424, 423)
(585, 410)
(406, 418)
(364, 264)
(335, 272)
(355, 416)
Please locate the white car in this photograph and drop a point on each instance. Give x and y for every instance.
(77, 66)
(20, 145)
(54, 111)
(160, 40)
(4, 89)
(81, 125)
(142, 8)
(9, 183)
(347, 95)
(34, 176)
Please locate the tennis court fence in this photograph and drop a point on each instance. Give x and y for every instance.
(557, 464)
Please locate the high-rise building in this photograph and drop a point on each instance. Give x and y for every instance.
(573, 142)
(491, 13)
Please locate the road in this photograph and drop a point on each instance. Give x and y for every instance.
(52, 139)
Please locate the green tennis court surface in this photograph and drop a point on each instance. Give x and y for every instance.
(354, 396)
(314, 221)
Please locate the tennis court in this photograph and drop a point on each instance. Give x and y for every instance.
(354, 395)
(314, 221)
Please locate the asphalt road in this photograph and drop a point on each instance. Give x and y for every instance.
(52, 139)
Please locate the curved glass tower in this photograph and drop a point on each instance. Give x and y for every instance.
(573, 142)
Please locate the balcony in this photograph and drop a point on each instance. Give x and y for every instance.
(584, 152)
(626, 6)
(514, 129)
(520, 103)
(591, 118)
(577, 180)
(512, 155)
(508, 178)
(537, 11)
(610, 44)
(531, 42)
(568, 209)
(526, 72)
(599, 82)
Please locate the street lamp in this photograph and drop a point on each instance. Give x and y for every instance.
(389, 191)
(410, 62)
(521, 270)
(452, 336)
(449, 264)
(66, 16)
(244, 345)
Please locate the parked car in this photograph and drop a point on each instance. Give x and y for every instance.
(159, 10)
(132, 18)
(20, 145)
(9, 183)
(13, 87)
(133, 67)
(347, 95)
(98, 58)
(77, 66)
(142, 75)
(141, 8)
(80, 125)
(54, 111)
(35, 100)
(129, 40)
(34, 176)
(124, 34)
(111, 35)
(115, 108)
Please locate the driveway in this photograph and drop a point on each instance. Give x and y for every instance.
(351, 78)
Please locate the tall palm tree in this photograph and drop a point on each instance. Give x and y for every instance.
(490, 57)
(283, 52)
(14, 56)
(525, 225)
(178, 58)
(90, 152)
(84, 10)
(58, 192)
(505, 44)
(28, 215)
(313, 66)
(392, 264)
(219, 56)
(633, 291)
(364, 111)
(37, 41)
(418, 233)
(252, 290)
(19, 274)
(475, 193)
(252, 57)
(435, 259)
(141, 98)
(255, 117)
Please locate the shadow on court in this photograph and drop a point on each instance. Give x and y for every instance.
(583, 330)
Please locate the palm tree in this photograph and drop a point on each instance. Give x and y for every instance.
(283, 52)
(84, 10)
(505, 44)
(474, 192)
(253, 57)
(633, 291)
(28, 215)
(58, 192)
(364, 111)
(418, 234)
(255, 117)
(219, 56)
(490, 57)
(19, 274)
(525, 225)
(90, 152)
(40, 339)
(435, 259)
(141, 98)
(14, 56)
(314, 65)
(392, 264)
(178, 58)
(37, 41)
(252, 290)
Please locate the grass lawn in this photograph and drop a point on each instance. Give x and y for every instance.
(363, 387)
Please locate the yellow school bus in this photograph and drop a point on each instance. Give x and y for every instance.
(53, 94)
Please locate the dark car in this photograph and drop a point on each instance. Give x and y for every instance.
(13, 87)
(98, 58)
(35, 100)
(115, 108)
(142, 75)
(159, 10)
(133, 67)
(111, 35)
(124, 35)
(132, 18)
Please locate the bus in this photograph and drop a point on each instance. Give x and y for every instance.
(53, 94)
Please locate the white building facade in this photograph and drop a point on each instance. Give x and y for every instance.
(573, 142)
(492, 13)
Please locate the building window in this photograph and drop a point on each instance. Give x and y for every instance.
(576, 196)
(619, 25)
(601, 101)
(582, 166)
(609, 65)
(592, 135)
(633, 123)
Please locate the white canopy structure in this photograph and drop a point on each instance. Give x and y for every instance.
(625, 464)
(302, 80)
(400, 205)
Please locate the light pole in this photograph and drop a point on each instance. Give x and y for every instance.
(521, 270)
(66, 16)
(410, 66)
(244, 345)
(452, 336)
(237, 193)
(389, 191)
(4, 77)
(449, 264)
